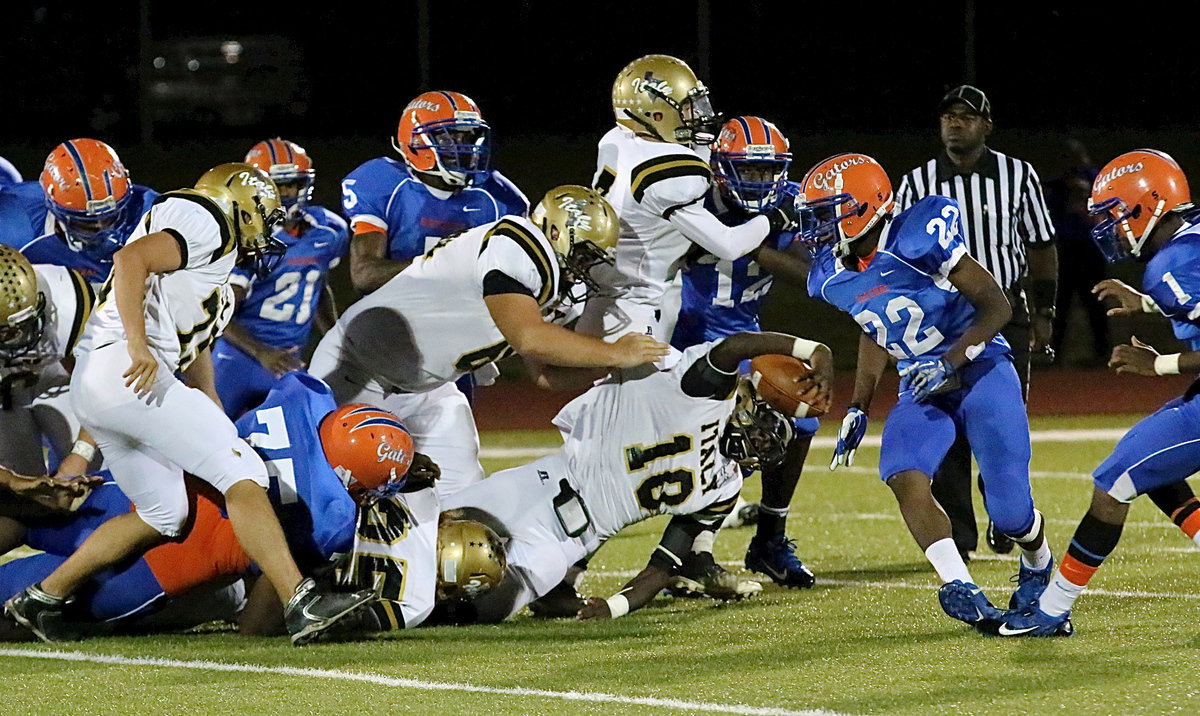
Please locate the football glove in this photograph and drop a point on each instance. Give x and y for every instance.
(784, 218)
(928, 378)
(854, 427)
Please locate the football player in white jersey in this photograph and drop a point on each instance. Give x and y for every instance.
(43, 309)
(651, 169)
(158, 315)
(639, 444)
(473, 299)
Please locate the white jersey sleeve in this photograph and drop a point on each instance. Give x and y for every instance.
(202, 234)
(727, 243)
(512, 258)
(395, 553)
(667, 183)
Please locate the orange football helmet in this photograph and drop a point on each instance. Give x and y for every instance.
(1132, 193)
(851, 181)
(88, 192)
(750, 161)
(443, 133)
(368, 448)
(290, 167)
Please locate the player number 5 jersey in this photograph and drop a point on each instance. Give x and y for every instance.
(638, 447)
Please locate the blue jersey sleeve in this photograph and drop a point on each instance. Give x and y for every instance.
(507, 195)
(1172, 279)
(20, 209)
(366, 192)
(342, 234)
(928, 236)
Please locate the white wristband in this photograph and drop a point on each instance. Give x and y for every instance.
(1167, 364)
(618, 605)
(803, 348)
(1149, 305)
(84, 449)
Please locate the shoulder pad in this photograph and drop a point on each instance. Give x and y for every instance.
(665, 167)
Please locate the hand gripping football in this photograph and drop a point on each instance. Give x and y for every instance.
(788, 385)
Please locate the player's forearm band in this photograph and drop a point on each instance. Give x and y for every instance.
(1167, 364)
(803, 348)
(84, 449)
(708, 359)
(1149, 305)
(618, 605)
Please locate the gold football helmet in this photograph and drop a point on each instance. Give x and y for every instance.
(659, 95)
(250, 201)
(470, 559)
(22, 305)
(583, 229)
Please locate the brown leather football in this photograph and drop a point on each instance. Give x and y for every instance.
(787, 384)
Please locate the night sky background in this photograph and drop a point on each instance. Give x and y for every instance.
(835, 77)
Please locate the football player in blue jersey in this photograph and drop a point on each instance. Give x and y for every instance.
(276, 311)
(750, 161)
(80, 211)
(907, 280)
(322, 462)
(399, 210)
(1146, 211)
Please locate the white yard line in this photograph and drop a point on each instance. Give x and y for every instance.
(1037, 436)
(394, 682)
(928, 586)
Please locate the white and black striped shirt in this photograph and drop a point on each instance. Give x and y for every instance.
(1002, 208)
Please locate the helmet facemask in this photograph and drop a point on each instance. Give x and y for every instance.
(577, 282)
(754, 184)
(258, 249)
(461, 148)
(756, 436)
(23, 330)
(97, 232)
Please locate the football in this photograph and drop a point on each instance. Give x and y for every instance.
(787, 384)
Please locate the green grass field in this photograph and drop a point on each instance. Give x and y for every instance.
(870, 638)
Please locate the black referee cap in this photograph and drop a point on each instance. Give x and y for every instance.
(973, 97)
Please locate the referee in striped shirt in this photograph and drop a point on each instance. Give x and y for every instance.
(1008, 230)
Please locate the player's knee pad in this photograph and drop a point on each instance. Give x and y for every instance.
(229, 465)
(1020, 522)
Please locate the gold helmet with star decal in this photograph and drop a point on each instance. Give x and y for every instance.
(250, 201)
(659, 95)
(470, 559)
(22, 305)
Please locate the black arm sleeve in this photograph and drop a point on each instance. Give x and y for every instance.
(676, 542)
(496, 282)
(702, 380)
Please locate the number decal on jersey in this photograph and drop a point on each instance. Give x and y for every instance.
(281, 470)
(475, 360)
(637, 457)
(915, 341)
(725, 284)
(666, 488)
(387, 575)
(194, 342)
(1180, 295)
(349, 198)
(276, 307)
(385, 522)
(945, 228)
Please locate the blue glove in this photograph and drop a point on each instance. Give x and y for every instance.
(854, 427)
(929, 378)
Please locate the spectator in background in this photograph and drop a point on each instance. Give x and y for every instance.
(1080, 265)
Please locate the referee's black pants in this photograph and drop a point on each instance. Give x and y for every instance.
(952, 483)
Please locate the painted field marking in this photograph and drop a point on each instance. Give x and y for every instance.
(394, 682)
(929, 586)
(1080, 435)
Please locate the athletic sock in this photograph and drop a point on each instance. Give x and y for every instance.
(1187, 518)
(771, 521)
(1094, 540)
(946, 560)
(1037, 557)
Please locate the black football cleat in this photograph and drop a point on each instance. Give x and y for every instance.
(311, 612)
(997, 541)
(42, 614)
